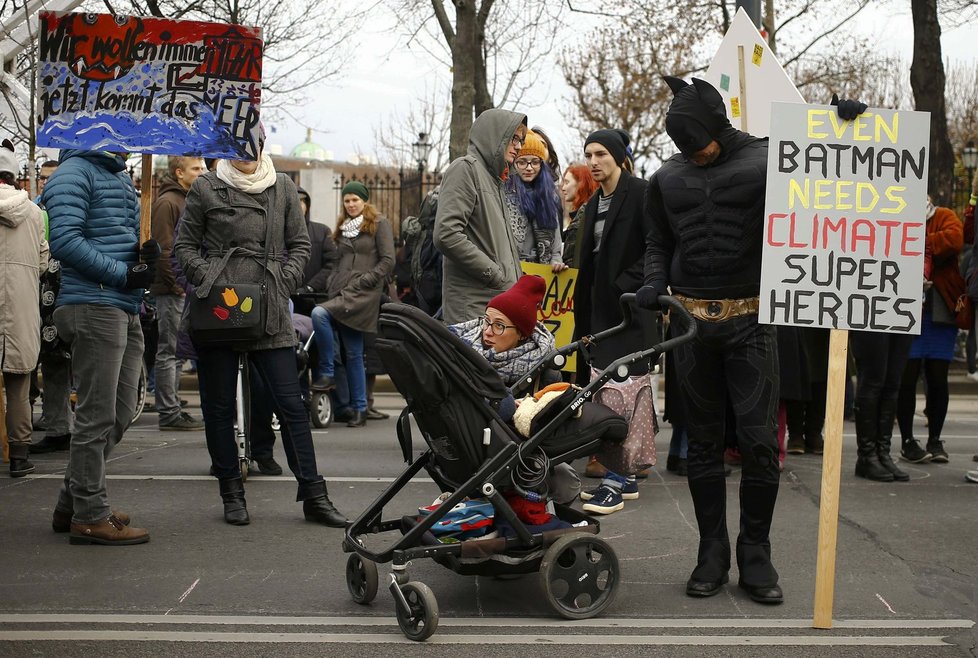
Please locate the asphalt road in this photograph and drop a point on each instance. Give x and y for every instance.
(907, 578)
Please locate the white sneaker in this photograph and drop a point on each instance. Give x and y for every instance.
(971, 476)
(973, 376)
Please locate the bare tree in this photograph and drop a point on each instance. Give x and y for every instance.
(429, 114)
(927, 80)
(493, 48)
(615, 73)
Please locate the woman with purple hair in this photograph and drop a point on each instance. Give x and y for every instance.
(533, 206)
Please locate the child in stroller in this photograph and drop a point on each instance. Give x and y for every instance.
(455, 397)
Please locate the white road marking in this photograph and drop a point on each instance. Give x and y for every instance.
(449, 639)
(187, 593)
(493, 622)
(883, 601)
(256, 478)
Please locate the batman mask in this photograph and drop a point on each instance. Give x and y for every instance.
(696, 116)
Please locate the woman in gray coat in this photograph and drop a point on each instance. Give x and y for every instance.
(235, 215)
(366, 244)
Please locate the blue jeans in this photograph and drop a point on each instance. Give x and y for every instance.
(169, 308)
(356, 373)
(218, 374)
(106, 360)
(678, 443)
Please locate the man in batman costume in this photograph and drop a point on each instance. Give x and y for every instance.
(705, 207)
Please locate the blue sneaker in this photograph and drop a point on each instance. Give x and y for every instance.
(629, 490)
(606, 500)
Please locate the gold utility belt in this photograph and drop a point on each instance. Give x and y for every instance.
(718, 310)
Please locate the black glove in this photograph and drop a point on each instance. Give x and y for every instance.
(150, 252)
(648, 297)
(140, 275)
(848, 109)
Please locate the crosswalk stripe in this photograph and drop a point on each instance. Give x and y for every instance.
(449, 639)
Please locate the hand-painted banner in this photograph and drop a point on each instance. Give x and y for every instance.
(844, 219)
(149, 85)
(557, 309)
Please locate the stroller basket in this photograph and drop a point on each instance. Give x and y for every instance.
(453, 394)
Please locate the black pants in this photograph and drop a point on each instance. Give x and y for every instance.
(880, 360)
(262, 436)
(736, 360)
(218, 370)
(806, 417)
(937, 395)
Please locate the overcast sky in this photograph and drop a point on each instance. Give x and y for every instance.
(378, 82)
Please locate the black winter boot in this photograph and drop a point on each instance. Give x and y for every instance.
(319, 508)
(235, 507)
(887, 415)
(20, 465)
(867, 436)
(758, 577)
(713, 559)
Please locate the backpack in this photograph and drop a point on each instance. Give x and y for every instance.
(426, 260)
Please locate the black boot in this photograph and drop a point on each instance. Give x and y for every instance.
(887, 415)
(359, 419)
(758, 577)
(713, 558)
(51, 444)
(318, 508)
(867, 436)
(235, 508)
(20, 465)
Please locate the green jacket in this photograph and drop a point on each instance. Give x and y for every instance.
(471, 228)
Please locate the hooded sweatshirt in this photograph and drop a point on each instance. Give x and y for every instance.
(471, 228)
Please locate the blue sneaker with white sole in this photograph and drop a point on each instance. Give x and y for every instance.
(629, 490)
(605, 500)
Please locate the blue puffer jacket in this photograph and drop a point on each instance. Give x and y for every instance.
(93, 214)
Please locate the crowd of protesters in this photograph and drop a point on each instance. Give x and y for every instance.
(505, 202)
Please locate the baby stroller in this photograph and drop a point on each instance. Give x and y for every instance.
(453, 395)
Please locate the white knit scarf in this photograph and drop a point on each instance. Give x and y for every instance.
(351, 227)
(256, 183)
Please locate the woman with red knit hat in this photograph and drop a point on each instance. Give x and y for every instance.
(509, 335)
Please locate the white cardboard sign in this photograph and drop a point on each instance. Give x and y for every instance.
(845, 219)
(764, 79)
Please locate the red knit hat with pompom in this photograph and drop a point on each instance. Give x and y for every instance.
(520, 303)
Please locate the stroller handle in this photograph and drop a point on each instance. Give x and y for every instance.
(558, 358)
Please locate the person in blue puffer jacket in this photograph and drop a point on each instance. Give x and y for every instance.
(93, 217)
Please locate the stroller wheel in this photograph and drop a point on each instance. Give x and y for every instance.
(322, 409)
(361, 579)
(420, 622)
(580, 575)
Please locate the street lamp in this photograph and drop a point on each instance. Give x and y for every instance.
(420, 150)
(969, 158)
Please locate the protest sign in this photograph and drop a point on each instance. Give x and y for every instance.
(557, 308)
(148, 85)
(844, 219)
(749, 77)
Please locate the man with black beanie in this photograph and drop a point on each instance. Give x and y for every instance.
(612, 247)
(705, 207)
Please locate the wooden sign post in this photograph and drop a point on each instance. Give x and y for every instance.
(146, 199)
(843, 250)
(828, 509)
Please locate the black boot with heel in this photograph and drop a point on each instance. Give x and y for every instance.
(318, 508)
(235, 508)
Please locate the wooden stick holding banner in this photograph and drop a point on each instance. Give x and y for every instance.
(828, 511)
(146, 199)
(3, 422)
(743, 88)
(843, 250)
